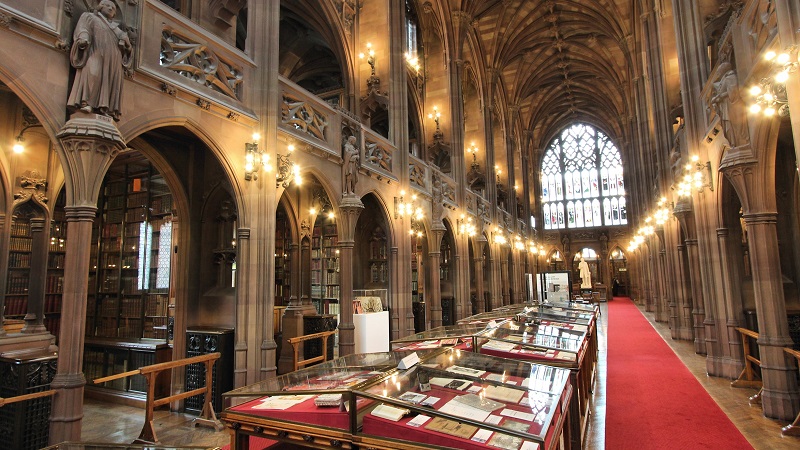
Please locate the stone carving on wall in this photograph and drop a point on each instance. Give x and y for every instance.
(199, 63)
(225, 11)
(762, 24)
(729, 106)
(102, 54)
(416, 174)
(348, 9)
(378, 156)
(301, 115)
(33, 186)
(437, 198)
(351, 162)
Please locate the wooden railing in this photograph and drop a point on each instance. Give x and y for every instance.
(296, 341)
(207, 416)
(748, 379)
(793, 429)
(22, 398)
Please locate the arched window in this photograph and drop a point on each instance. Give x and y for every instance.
(582, 182)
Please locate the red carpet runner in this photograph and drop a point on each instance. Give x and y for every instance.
(652, 400)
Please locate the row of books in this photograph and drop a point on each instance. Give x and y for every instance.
(17, 283)
(19, 260)
(16, 305)
(20, 228)
(157, 305)
(52, 304)
(319, 291)
(54, 284)
(53, 325)
(20, 244)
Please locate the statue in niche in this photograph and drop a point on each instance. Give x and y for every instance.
(437, 199)
(728, 104)
(102, 53)
(585, 273)
(350, 166)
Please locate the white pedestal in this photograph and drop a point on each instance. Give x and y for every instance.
(371, 332)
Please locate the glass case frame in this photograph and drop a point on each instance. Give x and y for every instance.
(532, 404)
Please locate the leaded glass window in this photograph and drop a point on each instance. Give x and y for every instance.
(582, 181)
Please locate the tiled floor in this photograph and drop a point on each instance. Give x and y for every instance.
(109, 423)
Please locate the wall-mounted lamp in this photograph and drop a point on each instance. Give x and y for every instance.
(696, 176)
(255, 159)
(498, 236)
(413, 61)
(770, 93)
(407, 209)
(518, 243)
(30, 121)
(288, 171)
(370, 55)
(498, 171)
(662, 212)
(435, 115)
(466, 226)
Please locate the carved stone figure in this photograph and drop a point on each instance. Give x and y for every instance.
(102, 53)
(436, 202)
(350, 165)
(728, 104)
(586, 274)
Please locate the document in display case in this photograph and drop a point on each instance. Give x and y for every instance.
(451, 398)
(458, 336)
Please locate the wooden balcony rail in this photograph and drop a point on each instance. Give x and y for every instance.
(748, 378)
(207, 417)
(22, 398)
(793, 429)
(296, 348)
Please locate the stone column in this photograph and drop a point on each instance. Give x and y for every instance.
(434, 301)
(34, 319)
(684, 308)
(241, 363)
(90, 142)
(733, 306)
(480, 301)
(779, 398)
(698, 310)
(350, 208)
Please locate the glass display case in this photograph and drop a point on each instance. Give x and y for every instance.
(431, 398)
(549, 344)
(458, 336)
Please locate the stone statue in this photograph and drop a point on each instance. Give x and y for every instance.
(437, 199)
(102, 53)
(351, 163)
(728, 104)
(586, 275)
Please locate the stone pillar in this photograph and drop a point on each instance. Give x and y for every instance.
(685, 329)
(401, 310)
(480, 301)
(698, 309)
(243, 320)
(505, 281)
(434, 301)
(733, 306)
(779, 397)
(90, 142)
(350, 208)
(34, 319)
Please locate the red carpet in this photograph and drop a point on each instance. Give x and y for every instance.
(653, 401)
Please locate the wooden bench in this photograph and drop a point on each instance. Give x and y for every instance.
(748, 379)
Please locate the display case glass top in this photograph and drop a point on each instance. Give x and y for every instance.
(446, 398)
(459, 336)
(550, 343)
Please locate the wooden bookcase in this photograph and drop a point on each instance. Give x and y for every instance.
(283, 260)
(19, 264)
(54, 283)
(378, 267)
(130, 274)
(325, 268)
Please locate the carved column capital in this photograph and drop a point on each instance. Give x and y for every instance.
(349, 211)
(90, 143)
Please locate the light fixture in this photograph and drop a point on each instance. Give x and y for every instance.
(255, 159)
(412, 61)
(466, 225)
(435, 115)
(498, 236)
(288, 171)
(498, 171)
(695, 176)
(518, 244)
(409, 209)
(770, 93)
(370, 55)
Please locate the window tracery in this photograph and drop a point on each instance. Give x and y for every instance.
(582, 181)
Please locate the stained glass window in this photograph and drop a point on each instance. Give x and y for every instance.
(589, 167)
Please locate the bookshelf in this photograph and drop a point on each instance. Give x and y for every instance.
(283, 260)
(130, 275)
(54, 282)
(325, 267)
(19, 263)
(378, 267)
(417, 284)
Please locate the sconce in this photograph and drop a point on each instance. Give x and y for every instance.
(288, 172)
(465, 225)
(30, 122)
(435, 115)
(770, 93)
(696, 175)
(663, 212)
(498, 236)
(498, 171)
(255, 159)
(518, 244)
(411, 210)
(370, 58)
(412, 61)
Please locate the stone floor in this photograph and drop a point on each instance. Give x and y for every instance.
(121, 424)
